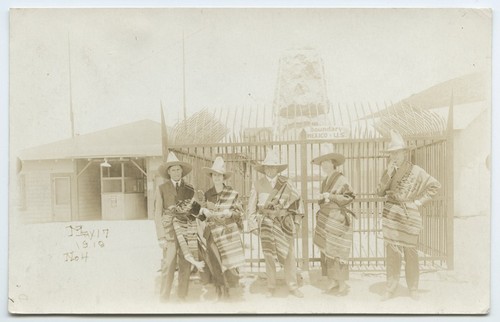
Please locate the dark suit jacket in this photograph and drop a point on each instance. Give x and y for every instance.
(168, 196)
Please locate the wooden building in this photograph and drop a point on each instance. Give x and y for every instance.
(109, 175)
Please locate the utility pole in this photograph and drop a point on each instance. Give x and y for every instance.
(71, 115)
(184, 81)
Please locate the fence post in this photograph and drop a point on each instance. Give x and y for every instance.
(449, 189)
(303, 192)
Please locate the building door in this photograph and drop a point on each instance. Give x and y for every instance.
(61, 197)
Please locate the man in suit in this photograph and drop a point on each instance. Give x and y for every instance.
(168, 212)
(276, 205)
(407, 188)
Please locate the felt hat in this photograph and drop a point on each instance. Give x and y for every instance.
(397, 143)
(336, 158)
(171, 161)
(218, 167)
(272, 160)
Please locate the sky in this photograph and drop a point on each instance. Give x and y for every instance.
(123, 63)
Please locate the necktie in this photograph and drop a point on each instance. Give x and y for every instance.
(177, 186)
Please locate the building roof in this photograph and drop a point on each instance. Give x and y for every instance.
(137, 139)
(469, 94)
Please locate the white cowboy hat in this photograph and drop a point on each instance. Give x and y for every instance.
(397, 143)
(272, 160)
(218, 167)
(171, 161)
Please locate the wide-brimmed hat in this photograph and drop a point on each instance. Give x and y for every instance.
(272, 160)
(171, 161)
(218, 167)
(397, 143)
(336, 158)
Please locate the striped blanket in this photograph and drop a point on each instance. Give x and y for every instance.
(187, 236)
(401, 223)
(333, 231)
(277, 225)
(226, 231)
(401, 220)
(333, 234)
(185, 228)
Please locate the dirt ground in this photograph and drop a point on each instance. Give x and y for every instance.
(120, 275)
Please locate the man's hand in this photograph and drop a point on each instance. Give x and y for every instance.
(391, 170)
(162, 242)
(226, 213)
(206, 212)
(325, 196)
(201, 196)
(199, 265)
(210, 205)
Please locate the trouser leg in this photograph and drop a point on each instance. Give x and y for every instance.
(270, 271)
(337, 271)
(412, 270)
(184, 274)
(324, 265)
(393, 268)
(169, 264)
(291, 268)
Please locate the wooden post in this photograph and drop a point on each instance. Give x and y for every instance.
(303, 192)
(449, 189)
(75, 209)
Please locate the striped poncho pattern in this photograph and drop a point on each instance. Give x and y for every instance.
(333, 231)
(186, 232)
(276, 232)
(401, 219)
(226, 231)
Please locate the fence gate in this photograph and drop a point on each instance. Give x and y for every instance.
(363, 167)
(368, 129)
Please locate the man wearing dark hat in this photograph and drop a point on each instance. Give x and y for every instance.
(276, 205)
(407, 187)
(173, 217)
(333, 231)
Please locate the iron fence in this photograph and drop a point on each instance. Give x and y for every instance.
(365, 162)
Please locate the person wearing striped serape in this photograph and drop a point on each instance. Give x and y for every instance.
(333, 231)
(176, 227)
(276, 205)
(407, 187)
(222, 248)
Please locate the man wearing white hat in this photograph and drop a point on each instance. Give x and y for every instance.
(407, 187)
(173, 216)
(333, 231)
(221, 210)
(276, 205)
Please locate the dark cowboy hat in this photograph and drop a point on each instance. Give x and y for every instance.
(336, 158)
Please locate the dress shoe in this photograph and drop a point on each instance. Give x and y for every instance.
(343, 290)
(297, 293)
(414, 295)
(386, 296)
(332, 287)
(270, 292)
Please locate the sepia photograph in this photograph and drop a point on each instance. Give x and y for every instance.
(249, 161)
